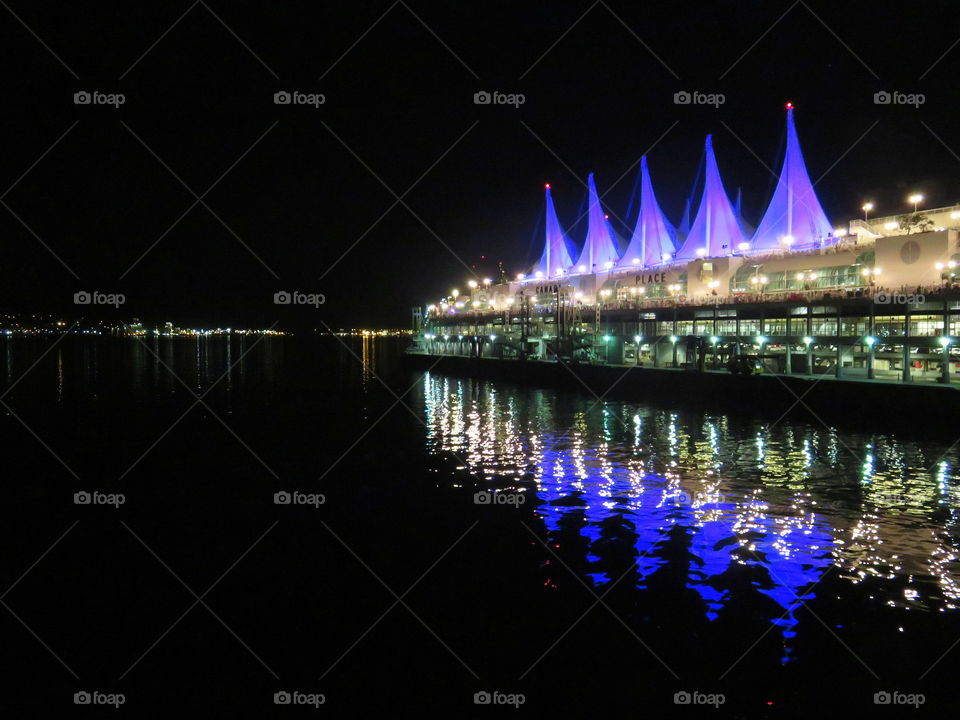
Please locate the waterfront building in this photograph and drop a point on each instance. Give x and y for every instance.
(875, 299)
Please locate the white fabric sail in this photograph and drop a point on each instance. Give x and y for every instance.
(654, 236)
(715, 231)
(599, 249)
(556, 258)
(794, 217)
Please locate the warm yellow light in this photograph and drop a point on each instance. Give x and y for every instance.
(472, 283)
(892, 225)
(867, 207)
(915, 198)
(454, 292)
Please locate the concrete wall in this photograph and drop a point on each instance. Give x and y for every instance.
(909, 260)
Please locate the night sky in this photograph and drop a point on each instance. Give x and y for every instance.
(290, 182)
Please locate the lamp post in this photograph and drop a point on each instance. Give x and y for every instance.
(916, 199)
(945, 343)
(870, 341)
(673, 339)
(808, 341)
(713, 342)
(867, 207)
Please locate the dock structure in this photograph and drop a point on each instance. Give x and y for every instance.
(876, 299)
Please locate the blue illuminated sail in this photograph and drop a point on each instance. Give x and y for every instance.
(653, 236)
(716, 230)
(556, 258)
(794, 217)
(599, 249)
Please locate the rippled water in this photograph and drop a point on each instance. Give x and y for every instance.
(775, 563)
(714, 497)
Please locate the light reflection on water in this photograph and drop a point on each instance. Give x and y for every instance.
(792, 500)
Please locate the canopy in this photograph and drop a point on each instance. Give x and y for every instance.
(794, 216)
(716, 230)
(600, 248)
(556, 254)
(653, 236)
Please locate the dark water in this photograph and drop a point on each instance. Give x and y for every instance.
(617, 553)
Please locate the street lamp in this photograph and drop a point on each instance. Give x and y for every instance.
(945, 342)
(472, 284)
(808, 341)
(870, 341)
(916, 199)
(867, 207)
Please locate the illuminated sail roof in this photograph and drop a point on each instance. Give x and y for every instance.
(556, 254)
(600, 248)
(653, 236)
(794, 217)
(715, 230)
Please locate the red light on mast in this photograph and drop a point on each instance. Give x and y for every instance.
(547, 186)
(789, 106)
